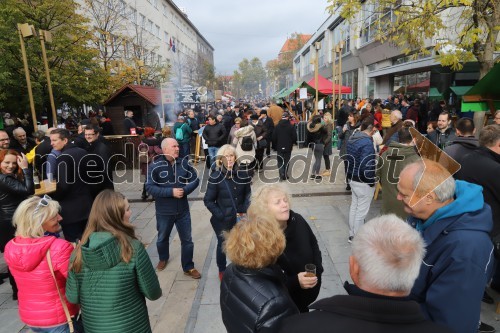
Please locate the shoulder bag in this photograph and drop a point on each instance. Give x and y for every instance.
(63, 302)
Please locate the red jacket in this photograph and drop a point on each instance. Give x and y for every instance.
(39, 302)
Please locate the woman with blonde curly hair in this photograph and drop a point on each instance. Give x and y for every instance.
(301, 244)
(253, 296)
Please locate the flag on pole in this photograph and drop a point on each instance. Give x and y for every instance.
(170, 44)
(173, 45)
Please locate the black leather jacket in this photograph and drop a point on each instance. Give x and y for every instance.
(12, 193)
(254, 300)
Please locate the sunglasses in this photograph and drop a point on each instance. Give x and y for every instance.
(42, 203)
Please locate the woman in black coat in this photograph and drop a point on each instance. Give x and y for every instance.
(227, 197)
(16, 184)
(301, 244)
(253, 297)
(316, 136)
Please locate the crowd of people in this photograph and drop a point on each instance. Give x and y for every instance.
(75, 263)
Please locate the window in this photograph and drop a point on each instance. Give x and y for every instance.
(375, 20)
(342, 33)
(155, 3)
(350, 79)
(165, 10)
(149, 26)
(133, 15)
(143, 21)
(306, 64)
(157, 31)
(165, 36)
(122, 8)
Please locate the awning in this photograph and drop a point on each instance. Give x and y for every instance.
(434, 94)
(487, 87)
(310, 90)
(460, 91)
(325, 86)
(279, 92)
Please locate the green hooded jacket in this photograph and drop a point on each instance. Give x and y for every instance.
(111, 292)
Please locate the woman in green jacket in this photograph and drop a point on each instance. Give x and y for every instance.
(111, 273)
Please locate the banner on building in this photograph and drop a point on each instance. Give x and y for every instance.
(167, 93)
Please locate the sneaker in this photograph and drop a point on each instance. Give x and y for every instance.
(349, 240)
(348, 187)
(312, 177)
(318, 178)
(485, 328)
(221, 275)
(162, 264)
(326, 173)
(193, 273)
(487, 298)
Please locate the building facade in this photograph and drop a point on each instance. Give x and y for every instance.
(147, 33)
(377, 70)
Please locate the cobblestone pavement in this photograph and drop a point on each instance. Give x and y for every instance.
(189, 305)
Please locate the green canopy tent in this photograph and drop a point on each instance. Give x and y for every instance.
(310, 90)
(484, 95)
(435, 95)
(276, 95)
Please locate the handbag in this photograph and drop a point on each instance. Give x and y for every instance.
(262, 143)
(63, 302)
(239, 216)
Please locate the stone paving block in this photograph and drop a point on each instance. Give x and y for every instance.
(10, 322)
(176, 308)
(142, 223)
(209, 319)
(211, 293)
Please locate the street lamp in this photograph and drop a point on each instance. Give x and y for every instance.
(26, 30)
(338, 48)
(46, 37)
(317, 46)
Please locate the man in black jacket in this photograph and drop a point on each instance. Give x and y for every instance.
(72, 193)
(385, 261)
(284, 136)
(444, 134)
(214, 134)
(269, 127)
(482, 167)
(100, 171)
(21, 142)
(465, 142)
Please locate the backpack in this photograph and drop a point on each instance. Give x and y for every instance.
(246, 143)
(179, 133)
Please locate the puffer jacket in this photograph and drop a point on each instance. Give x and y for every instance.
(39, 302)
(316, 133)
(110, 291)
(254, 300)
(361, 158)
(224, 193)
(245, 156)
(12, 193)
(214, 135)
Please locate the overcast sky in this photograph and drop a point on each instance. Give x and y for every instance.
(253, 28)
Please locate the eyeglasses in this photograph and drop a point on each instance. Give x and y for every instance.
(42, 203)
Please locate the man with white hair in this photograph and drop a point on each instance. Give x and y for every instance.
(391, 134)
(21, 142)
(454, 222)
(385, 261)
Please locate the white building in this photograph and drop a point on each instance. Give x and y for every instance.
(149, 33)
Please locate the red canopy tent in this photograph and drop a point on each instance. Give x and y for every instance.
(325, 86)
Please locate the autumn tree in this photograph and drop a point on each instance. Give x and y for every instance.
(464, 30)
(278, 69)
(76, 76)
(250, 77)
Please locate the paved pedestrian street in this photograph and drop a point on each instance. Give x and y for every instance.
(189, 305)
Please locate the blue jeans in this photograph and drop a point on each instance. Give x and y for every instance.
(64, 328)
(212, 152)
(220, 255)
(164, 225)
(183, 149)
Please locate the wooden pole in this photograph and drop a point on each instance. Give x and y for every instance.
(28, 80)
(333, 79)
(47, 74)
